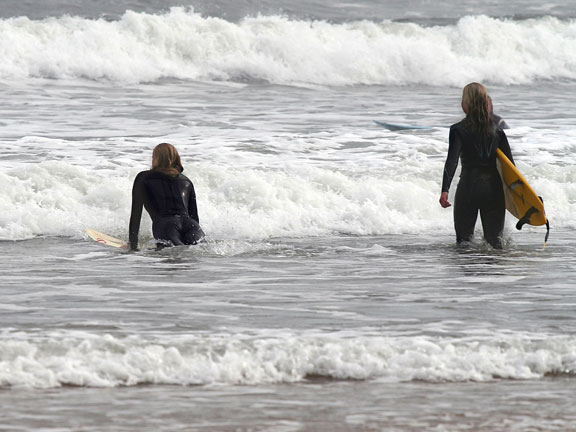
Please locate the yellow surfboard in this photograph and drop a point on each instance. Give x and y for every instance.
(521, 200)
(106, 239)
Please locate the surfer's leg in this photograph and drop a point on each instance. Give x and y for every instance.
(174, 233)
(465, 213)
(191, 232)
(493, 226)
(167, 230)
(493, 213)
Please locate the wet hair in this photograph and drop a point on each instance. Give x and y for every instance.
(165, 158)
(476, 104)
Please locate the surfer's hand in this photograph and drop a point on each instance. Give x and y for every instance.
(444, 200)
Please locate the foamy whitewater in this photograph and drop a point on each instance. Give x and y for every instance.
(330, 295)
(182, 44)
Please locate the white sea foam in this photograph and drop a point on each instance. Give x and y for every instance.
(102, 361)
(182, 44)
(56, 198)
(388, 186)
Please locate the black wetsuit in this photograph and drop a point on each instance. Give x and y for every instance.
(500, 121)
(171, 203)
(480, 186)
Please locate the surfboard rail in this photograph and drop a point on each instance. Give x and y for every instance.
(106, 239)
(521, 200)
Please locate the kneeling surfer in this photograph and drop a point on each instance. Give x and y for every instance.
(169, 197)
(474, 141)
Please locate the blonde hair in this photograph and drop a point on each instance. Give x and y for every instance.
(476, 105)
(165, 158)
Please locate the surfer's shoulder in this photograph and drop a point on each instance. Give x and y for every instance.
(182, 177)
(143, 175)
(460, 125)
(501, 134)
(154, 174)
(459, 128)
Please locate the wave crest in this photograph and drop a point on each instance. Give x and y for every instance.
(108, 361)
(182, 44)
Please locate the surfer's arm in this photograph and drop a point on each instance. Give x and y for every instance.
(505, 146)
(454, 150)
(192, 207)
(136, 213)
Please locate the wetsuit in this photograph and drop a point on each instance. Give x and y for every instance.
(171, 203)
(480, 186)
(500, 121)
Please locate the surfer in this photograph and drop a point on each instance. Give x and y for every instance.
(474, 140)
(169, 197)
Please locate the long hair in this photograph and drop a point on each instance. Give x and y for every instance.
(165, 158)
(476, 105)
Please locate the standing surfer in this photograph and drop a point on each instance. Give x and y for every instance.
(169, 198)
(474, 140)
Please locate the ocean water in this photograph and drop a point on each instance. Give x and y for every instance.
(330, 295)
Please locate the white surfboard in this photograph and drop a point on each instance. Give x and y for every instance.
(106, 239)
